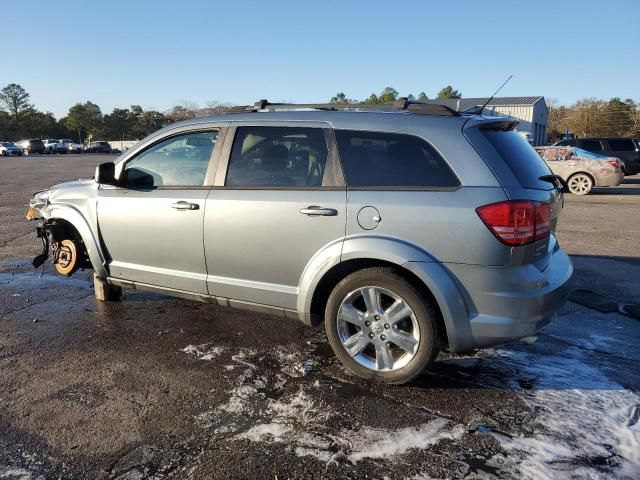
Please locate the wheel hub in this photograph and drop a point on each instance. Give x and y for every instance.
(377, 327)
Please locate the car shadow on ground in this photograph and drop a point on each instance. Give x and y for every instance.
(619, 190)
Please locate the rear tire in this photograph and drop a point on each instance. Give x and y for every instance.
(580, 184)
(367, 313)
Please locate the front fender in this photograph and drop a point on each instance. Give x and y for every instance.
(72, 215)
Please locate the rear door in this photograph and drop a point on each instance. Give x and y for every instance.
(279, 198)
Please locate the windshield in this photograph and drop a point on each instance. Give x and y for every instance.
(585, 154)
(7, 144)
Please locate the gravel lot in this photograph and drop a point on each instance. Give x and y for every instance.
(154, 387)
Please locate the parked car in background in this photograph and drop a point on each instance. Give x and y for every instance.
(9, 148)
(626, 149)
(445, 239)
(580, 169)
(31, 146)
(49, 145)
(67, 145)
(98, 147)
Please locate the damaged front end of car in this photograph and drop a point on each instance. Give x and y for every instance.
(60, 241)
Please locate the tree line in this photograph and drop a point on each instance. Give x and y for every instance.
(20, 119)
(593, 117)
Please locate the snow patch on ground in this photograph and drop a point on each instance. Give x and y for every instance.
(377, 443)
(582, 426)
(300, 420)
(14, 473)
(204, 351)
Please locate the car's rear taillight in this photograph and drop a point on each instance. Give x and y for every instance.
(517, 222)
(615, 163)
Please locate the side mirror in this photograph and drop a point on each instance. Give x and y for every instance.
(106, 173)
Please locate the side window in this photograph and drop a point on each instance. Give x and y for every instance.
(377, 159)
(592, 145)
(277, 157)
(177, 161)
(622, 144)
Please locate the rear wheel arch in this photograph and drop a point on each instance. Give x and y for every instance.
(338, 272)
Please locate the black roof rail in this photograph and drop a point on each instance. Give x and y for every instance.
(403, 104)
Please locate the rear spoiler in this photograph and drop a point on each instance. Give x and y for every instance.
(504, 124)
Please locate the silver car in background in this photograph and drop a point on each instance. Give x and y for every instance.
(582, 170)
(405, 228)
(9, 148)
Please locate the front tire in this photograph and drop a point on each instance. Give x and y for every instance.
(380, 326)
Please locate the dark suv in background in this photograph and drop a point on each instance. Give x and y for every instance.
(626, 149)
(98, 147)
(31, 146)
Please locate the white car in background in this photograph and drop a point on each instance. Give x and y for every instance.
(63, 145)
(66, 145)
(8, 148)
(49, 145)
(582, 170)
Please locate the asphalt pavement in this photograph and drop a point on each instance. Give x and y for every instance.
(156, 387)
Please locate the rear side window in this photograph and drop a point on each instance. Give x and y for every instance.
(522, 159)
(377, 159)
(277, 157)
(622, 144)
(591, 145)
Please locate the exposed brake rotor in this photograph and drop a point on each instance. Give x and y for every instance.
(65, 257)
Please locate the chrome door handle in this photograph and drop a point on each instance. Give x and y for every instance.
(315, 211)
(182, 205)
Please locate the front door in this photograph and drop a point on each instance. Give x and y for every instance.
(152, 222)
(280, 200)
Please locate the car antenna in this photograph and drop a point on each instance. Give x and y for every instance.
(479, 111)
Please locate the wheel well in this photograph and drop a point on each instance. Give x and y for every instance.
(71, 232)
(583, 173)
(340, 271)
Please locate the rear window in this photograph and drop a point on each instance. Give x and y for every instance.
(379, 159)
(522, 159)
(591, 145)
(622, 144)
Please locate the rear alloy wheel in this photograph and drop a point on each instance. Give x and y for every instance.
(580, 184)
(380, 326)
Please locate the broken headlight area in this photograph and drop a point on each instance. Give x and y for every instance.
(63, 245)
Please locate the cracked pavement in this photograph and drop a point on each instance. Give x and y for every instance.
(156, 387)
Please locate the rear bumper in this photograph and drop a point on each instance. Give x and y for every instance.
(609, 179)
(509, 303)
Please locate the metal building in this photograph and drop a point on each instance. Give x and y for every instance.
(531, 111)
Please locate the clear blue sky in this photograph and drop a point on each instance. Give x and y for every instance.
(159, 53)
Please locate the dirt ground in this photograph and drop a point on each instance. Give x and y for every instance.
(155, 387)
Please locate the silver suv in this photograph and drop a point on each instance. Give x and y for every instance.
(406, 229)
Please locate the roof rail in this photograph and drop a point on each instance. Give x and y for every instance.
(402, 103)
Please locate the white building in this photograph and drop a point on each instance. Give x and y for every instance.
(532, 112)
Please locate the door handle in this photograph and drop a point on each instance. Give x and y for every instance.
(182, 205)
(315, 211)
